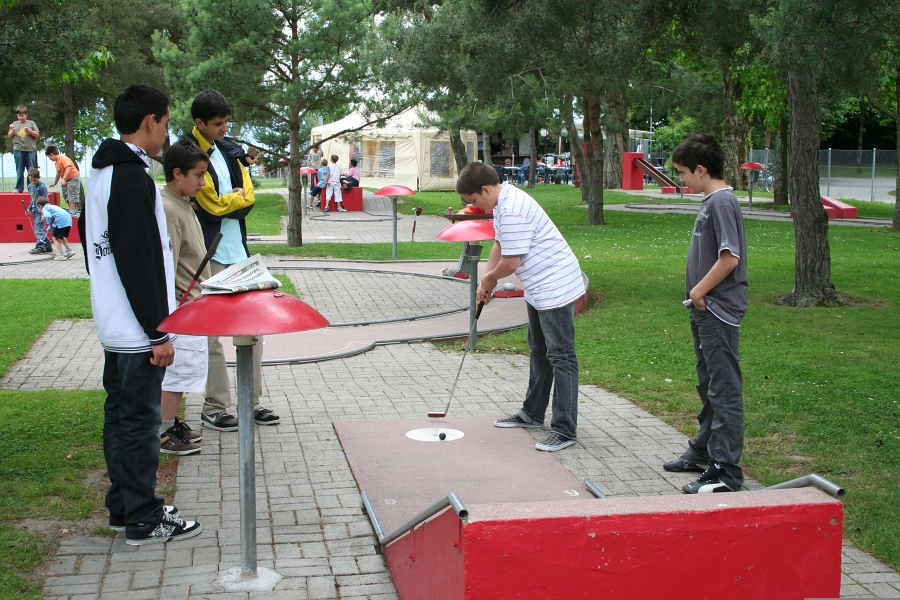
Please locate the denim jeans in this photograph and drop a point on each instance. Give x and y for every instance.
(131, 439)
(551, 338)
(40, 234)
(24, 161)
(721, 417)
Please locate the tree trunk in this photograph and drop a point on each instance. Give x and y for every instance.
(812, 277)
(459, 150)
(736, 133)
(616, 140)
(532, 170)
(486, 148)
(781, 163)
(594, 137)
(68, 95)
(295, 185)
(896, 222)
(859, 135)
(574, 143)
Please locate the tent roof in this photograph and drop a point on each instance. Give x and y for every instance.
(408, 120)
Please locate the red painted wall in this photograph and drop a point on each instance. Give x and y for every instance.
(632, 176)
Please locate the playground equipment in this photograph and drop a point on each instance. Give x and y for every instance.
(635, 166)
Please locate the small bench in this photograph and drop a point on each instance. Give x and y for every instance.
(842, 210)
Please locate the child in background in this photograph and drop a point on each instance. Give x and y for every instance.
(351, 180)
(333, 188)
(38, 190)
(321, 180)
(68, 175)
(60, 223)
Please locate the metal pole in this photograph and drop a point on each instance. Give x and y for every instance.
(473, 289)
(828, 189)
(751, 192)
(394, 210)
(246, 453)
(873, 175)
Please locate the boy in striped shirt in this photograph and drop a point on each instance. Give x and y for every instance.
(529, 245)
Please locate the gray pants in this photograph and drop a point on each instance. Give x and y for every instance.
(218, 389)
(720, 386)
(71, 191)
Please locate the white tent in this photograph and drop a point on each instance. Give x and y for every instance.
(403, 151)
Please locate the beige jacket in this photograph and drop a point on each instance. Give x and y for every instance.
(188, 247)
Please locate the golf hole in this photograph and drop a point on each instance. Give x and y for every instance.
(432, 434)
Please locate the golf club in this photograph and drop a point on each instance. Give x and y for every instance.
(209, 255)
(418, 212)
(438, 415)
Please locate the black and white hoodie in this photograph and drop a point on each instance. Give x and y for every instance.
(127, 251)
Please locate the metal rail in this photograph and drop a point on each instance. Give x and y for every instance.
(811, 480)
(450, 500)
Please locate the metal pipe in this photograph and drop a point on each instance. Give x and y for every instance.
(246, 453)
(593, 489)
(873, 174)
(828, 188)
(451, 500)
(394, 213)
(473, 259)
(813, 480)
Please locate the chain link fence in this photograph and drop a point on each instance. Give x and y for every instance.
(868, 175)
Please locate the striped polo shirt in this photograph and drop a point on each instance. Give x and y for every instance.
(549, 271)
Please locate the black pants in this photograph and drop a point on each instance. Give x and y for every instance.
(131, 439)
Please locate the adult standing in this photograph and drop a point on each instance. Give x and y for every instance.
(24, 134)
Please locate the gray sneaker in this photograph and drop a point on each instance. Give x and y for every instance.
(221, 421)
(171, 442)
(516, 421)
(554, 442)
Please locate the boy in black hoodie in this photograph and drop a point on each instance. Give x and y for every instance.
(129, 260)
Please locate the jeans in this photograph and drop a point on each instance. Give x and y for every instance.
(551, 338)
(131, 439)
(40, 234)
(721, 417)
(24, 160)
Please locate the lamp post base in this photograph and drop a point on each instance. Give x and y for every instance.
(263, 581)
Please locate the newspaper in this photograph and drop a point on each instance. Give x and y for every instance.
(247, 275)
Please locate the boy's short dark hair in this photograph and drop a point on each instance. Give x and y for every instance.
(353, 162)
(475, 176)
(43, 201)
(183, 155)
(137, 102)
(335, 158)
(701, 149)
(51, 150)
(324, 162)
(34, 172)
(209, 104)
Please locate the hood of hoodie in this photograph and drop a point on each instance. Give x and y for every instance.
(114, 152)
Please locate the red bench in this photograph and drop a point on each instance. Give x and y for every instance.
(353, 199)
(842, 210)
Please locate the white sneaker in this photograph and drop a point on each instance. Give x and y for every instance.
(60, 257)
(341, 209)
(69, 253)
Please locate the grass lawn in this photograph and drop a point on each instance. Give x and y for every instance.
(265, 218)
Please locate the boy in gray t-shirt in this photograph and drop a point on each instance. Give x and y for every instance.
(716, 293)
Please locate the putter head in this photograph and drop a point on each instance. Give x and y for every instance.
(437, 415)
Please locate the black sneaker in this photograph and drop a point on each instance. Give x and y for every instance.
(187, 433)
(119, 524)
(554, 442)
(221, 421)
(265, 416)
(516, 421)
(169, 529)
(683, 465)
(171, 442)
(708, 483)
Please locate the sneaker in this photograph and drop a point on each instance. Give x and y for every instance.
(683, 465)
(708, 483)
(341, 209)
(69, 253)
(326, 209)
(60, 257)
(36, 251)
(221, 421)
(265, 416)
(171, 442)
(554, 442)
(516, 421)
(169, 529)
(186, 432)
(119, 524)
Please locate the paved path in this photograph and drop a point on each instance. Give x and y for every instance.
(311, 527)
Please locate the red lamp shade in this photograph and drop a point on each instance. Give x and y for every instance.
(262, 312)
(307, 170)
(468, 231)
(395, 190)
(752, 165)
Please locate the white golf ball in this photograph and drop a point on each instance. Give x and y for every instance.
(509, 287)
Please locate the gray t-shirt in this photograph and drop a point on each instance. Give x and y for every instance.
(720, 226)
(22, 140)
